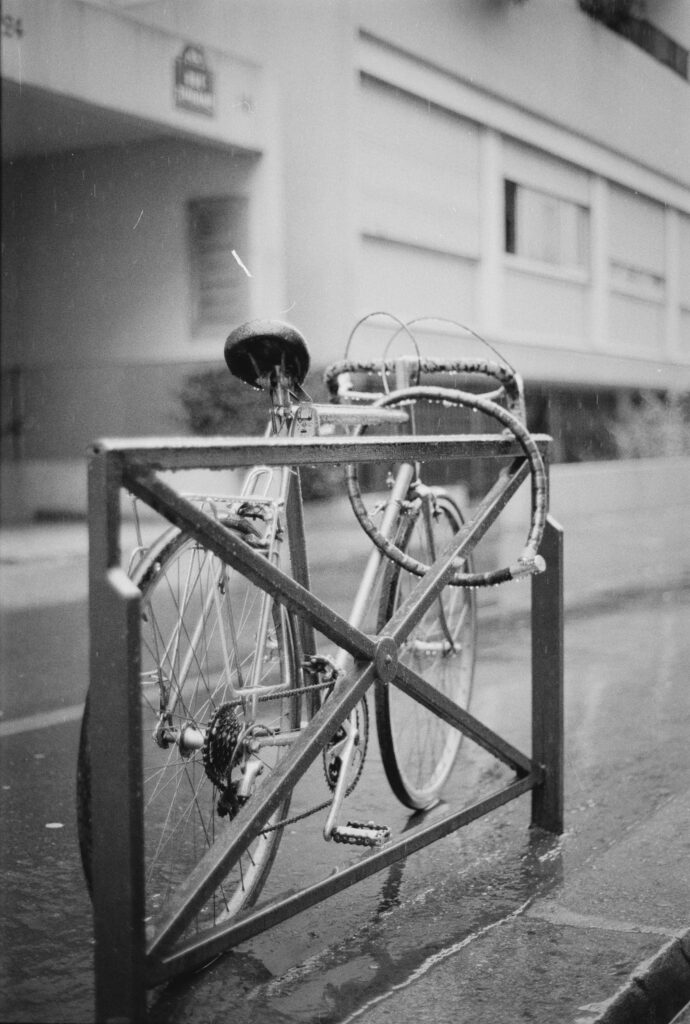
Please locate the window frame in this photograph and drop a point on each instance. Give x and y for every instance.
(233, 208)
(580, 272)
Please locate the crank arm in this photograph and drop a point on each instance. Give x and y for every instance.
(348, 749)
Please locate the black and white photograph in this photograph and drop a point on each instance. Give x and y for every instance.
(345, 512)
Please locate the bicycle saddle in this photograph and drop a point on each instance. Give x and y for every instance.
(253, 350)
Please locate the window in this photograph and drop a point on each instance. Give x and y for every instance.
(545, 228)
(621, 16)
(218, 235)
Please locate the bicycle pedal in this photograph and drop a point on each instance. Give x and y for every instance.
(359, 833)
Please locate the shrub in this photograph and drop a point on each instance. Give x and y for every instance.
(651, 424)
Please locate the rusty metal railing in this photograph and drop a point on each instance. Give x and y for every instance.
(126, 962)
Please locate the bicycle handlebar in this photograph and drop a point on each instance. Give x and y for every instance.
(509, 381)
(529, 561)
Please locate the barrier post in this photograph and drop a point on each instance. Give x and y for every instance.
(547, 682)
(112, 736)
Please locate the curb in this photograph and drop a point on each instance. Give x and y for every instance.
(656, 991)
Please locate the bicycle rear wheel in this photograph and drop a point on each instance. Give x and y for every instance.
(418, 748)
(200, 624)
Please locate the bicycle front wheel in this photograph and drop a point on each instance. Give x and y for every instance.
(207, 634)
(418, 748)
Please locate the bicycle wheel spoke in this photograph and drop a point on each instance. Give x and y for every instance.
(200, 626)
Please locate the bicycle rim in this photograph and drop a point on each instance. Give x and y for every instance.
(418, 748)
(199, 629)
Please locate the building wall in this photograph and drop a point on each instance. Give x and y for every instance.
(103, 294)
(547, 57)
(97, 322)
(372, 140)
(306, 52)
(671, 18)
(619, 317)
(514, 70)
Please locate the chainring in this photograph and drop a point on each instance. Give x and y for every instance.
(332, 763)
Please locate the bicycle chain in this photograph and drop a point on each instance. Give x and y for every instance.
(293, 691)
(330, 782)
(284, 822)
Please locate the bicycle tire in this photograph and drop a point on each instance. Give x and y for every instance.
(419, 749)
(187, 595)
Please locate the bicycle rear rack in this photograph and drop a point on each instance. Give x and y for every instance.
(125, 964)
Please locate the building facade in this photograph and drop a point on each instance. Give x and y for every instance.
(173, 168)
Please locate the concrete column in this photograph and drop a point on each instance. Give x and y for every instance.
(672, 292)
(599, 264)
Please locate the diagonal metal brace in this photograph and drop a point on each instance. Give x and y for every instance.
(432, 699)
(373, 659)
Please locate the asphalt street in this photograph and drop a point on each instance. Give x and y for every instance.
(495, 923)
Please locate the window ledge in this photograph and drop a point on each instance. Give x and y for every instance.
(403, 242)
(656, 295)
(572, 275)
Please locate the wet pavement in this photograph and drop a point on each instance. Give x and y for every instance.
(494, 923)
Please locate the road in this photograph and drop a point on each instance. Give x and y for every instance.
(617, 875)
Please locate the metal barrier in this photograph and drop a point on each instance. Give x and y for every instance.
(125, 963)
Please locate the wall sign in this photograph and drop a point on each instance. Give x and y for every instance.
(193, 82)
(12, 27)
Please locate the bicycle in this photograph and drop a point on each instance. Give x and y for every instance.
(230, 678)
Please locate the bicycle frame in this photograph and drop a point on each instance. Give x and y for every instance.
(295, 420)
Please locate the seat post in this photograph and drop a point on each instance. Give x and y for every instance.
(281, 393)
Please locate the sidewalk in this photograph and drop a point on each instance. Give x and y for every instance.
(629, 903)
(47, 562)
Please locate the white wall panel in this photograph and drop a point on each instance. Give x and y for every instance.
(547, 306)
(684, 337)
(636, 231)
(636, 324)
(411, 282)
(418, 172)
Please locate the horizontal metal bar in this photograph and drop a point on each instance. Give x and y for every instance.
(232, 452)
(200, 950)
(357, 414)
